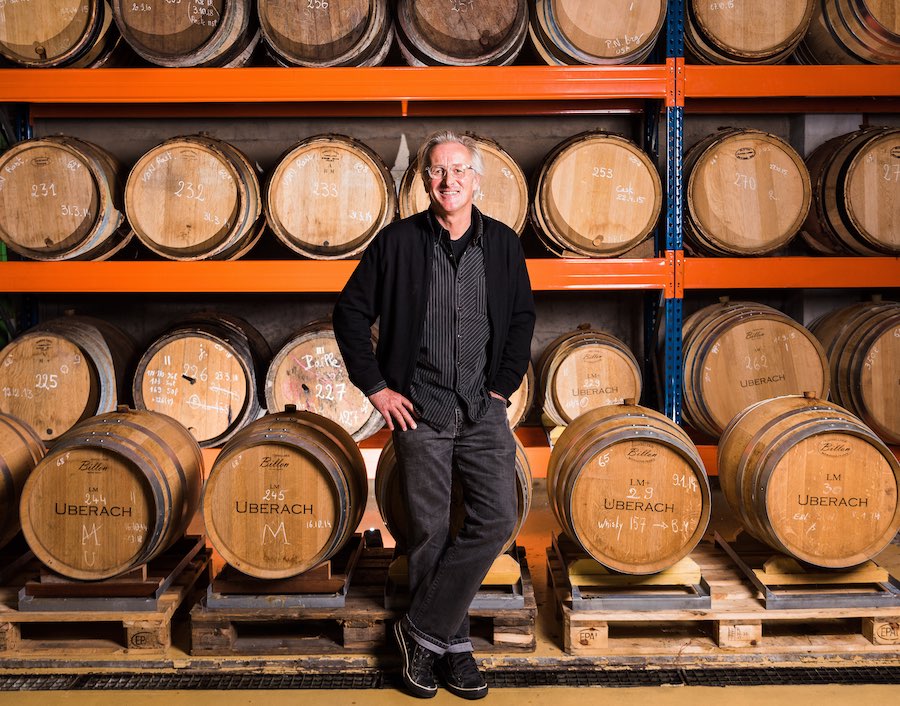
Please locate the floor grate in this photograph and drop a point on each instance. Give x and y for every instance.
(498, 679)
(781, 676)
(589, 677)
(186, 682)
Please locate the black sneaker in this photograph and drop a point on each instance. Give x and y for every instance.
(461, 676)
(418, 664)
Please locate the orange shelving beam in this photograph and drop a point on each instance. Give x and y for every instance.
(790, 272)
(790, 81)
(303, 85)
(299, 275)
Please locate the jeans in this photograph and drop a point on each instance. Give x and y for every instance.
(445, 573)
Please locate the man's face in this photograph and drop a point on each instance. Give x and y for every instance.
(451, 195)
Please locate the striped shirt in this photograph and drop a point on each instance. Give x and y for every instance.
(451, 368)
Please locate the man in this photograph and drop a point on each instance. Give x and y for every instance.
(456, 315)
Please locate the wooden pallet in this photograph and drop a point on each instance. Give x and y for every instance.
(737, 621)
(360, 626)
(71, 622)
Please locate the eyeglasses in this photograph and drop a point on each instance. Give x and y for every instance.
(440, 171)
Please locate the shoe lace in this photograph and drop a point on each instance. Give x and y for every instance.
(463, 665)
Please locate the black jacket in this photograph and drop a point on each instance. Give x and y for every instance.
(391, 282)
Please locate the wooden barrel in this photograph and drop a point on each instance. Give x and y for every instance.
(194, 198)
(20, 450)
(285, 494)
(760, 32)
(389, 497)
(596, 32)
(738, 353)
(862, 342)
(856, 194)
(811, 480)
(308, 372)
(189, 33)
(628, 485)
(328, 197)
(59, 33)
(114, 492)
(461, 32)
(323, 33)
(61, 199)
(502, 193)
(748, 193)
(62, 371)
(585, 369)
(596, 195)
(521, 400)
(852, 32)
(204, 372)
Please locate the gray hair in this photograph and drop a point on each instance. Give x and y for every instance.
(442, 137)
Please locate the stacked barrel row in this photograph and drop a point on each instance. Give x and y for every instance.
(750, 193)
(440, 32)
(197, 197)
(811, 478)
(595, 194)
(213, 372)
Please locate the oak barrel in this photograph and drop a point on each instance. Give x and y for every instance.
(204, 372)
(748, 193)
(64, 370)
(809, 479)
(326, 33)
(389, 496)
(188, 33)
(758, 32)
(308, 372)
(595, 31)
(852, 32)
(502, 193)
(193, 198)
(856, 194)
(461, 32)
(114, 492)
(20, 450)
(59, 33)
(738, 353)
(862, 342)
(628, 485)
(328, 197)
(585, 369)
(596, 195)
(521, 400)
(61, 198)
(285, 494)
